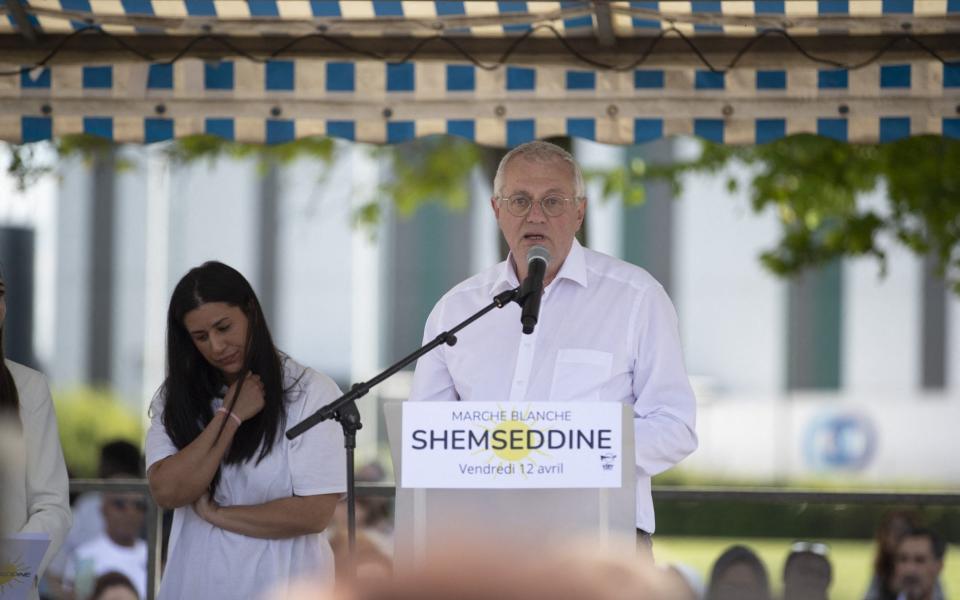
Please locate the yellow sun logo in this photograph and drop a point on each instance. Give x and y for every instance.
(518, 449)
(11, 573)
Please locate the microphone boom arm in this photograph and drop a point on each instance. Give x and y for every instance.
(359, 390)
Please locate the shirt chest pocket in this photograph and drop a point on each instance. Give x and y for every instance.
(579, 374)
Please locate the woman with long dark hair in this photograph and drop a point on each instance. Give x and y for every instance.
(35, 493)
(249, 504)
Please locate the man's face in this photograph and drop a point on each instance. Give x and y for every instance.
(538, 179)
(123, 514)
(916, 568)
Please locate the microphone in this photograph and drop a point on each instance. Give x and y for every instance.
(532, 288)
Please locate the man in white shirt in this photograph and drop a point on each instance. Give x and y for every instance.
(917, 565)
(607, 330)
(119, 548)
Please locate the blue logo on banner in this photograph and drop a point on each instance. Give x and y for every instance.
(840, 442)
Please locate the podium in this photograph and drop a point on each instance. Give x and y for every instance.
(427, 518)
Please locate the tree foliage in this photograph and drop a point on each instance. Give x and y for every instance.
(26, 164)
(817, 189)
(87, 419)
(434, 169)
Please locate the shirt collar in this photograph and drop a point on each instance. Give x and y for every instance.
(573, 268)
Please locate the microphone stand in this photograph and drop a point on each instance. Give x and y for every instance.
(344, 409)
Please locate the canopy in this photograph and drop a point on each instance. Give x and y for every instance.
(499, 73)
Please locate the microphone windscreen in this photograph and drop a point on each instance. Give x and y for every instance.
(538, 253)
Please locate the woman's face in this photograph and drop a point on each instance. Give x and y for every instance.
(219, 331)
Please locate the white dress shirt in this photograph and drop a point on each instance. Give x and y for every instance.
(607, 331)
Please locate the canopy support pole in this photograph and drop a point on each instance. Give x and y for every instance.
(22, 19)
(604, 24)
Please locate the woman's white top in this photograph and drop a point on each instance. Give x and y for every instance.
(204, 561)
(35, 493)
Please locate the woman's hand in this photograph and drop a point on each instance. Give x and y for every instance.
(206, 508)
(250, 400)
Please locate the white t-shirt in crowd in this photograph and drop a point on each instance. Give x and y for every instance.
(102, 555)
(204, 561)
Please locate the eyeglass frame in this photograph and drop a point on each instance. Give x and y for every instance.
(140, 504)
(818, 548)
(566, 202)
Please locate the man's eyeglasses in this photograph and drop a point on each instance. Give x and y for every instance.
(552, 205)
(124, 503)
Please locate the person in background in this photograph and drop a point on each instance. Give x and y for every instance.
(807, 572)
(116, 458)
(918, 562)
(738, 574)
(119, 548)
(892, 527)
(114, 586)
(35, 498)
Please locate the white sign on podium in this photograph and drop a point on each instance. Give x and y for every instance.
(444, 493)
(534, 445)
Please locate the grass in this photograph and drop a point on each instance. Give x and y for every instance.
(851, 560)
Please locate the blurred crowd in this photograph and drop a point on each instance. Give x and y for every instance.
(908, 561)
(104, 557)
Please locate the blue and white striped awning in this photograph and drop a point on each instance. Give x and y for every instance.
(228, 83)
(482, 18)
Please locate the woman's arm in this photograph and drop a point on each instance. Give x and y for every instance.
(281, 518)
(180, 479)
(47, 486)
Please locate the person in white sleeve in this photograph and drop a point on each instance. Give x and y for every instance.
(35, 492)
(249, 504)
(607, 330)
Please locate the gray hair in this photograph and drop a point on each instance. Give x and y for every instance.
(541, 151)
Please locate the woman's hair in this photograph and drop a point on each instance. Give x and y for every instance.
(9, 398)
(192, 382)
(735, 555)
(892, 527)
(108, 580)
